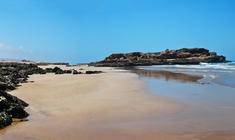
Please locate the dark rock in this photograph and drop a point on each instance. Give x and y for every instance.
(17, 111)
(76, 72)
(13, 99)
(46, 63)
(59, 72)
(11, 74)
(6, 86)
(42, 72)
(93, 72)
(167, 57)
(55, 69)
(5, 119)
(67, 71)
(49, 70)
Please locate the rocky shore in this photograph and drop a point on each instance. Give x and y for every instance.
(11, 75)
(167, 57)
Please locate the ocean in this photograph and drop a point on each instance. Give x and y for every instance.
(207, 90)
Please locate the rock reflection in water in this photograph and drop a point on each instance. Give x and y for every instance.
(166, 75)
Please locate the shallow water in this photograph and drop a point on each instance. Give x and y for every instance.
(208, 91)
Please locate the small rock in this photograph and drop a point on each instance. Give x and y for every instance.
(76, 72)
(93, 72)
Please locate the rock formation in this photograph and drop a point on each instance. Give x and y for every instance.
(167, 57)
(11, 74)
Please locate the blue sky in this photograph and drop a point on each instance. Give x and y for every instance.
(79, 31)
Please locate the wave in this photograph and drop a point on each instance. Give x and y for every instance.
(220, 67)
(218, 73)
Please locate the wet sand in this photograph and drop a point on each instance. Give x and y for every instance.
(108, 106)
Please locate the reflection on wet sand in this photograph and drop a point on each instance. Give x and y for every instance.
(4, 130)
(167, 75)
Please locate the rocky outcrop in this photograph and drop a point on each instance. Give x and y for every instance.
(167, 57)
(12, 106)
(58, 70)
(11, 74)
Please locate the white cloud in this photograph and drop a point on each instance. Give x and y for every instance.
(11, 52)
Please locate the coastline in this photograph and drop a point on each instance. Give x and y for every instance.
(72, 106)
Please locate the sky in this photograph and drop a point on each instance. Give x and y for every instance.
(81, 31)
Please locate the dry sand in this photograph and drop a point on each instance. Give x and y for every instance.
(107, 106)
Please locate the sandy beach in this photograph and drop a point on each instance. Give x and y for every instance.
(86, 106)
(112, 105)
(117, 70)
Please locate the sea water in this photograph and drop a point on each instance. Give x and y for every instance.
(207, 90)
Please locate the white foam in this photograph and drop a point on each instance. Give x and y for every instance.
(220, 67)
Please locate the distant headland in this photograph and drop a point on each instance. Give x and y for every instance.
(167, 57)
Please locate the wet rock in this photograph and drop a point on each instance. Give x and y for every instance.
(13, 99)
(6, 86)
(17, 111)
(11, 74)
(5, 119)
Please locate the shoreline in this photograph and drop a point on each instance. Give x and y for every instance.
(112, 105)
(57, 106)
